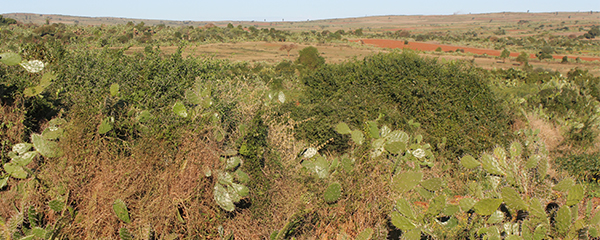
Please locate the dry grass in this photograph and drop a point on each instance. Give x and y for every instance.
(155, 181)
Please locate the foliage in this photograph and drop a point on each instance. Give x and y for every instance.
(391, 142)
(523, 58)
(309, 58)
(584, 166)
(444, 98)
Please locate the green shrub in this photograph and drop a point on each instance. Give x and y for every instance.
(449, 100)
(310, 58)
(584, 166)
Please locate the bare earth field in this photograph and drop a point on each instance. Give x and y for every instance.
(268, 52)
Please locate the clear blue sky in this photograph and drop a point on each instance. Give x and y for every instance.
(272, 10)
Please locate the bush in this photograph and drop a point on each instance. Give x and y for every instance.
(309, 58)
(449, 100)
(584, 166)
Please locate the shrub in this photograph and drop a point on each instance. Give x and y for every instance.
(584, 166)
(309, 58)
(449, 100)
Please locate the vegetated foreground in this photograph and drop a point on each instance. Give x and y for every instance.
(122, 144)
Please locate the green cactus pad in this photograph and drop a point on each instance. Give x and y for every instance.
(540, 232)
(114, 89)
(342, 128)
(25, 158)
(532, 162)
(373, 130)
(432, 184)
(469, 162)
(241, 176)
(515, 149)
(45, 147)
(56, 205)
(180, 109)
(333, 192)
(467, 204)
(121, 210)
(424, 192)
(365, 234)
(124, 234)
(347, 164)
(491, 165)
(496, 217)
(414, 234)
(21, 148)
(402, 222)
(500, 155)
(321, 167)
(406, 181)
(513, 199)
(513, 237)
(15, 170)
(10, 59)
(192, 97)
(222, 197)
(398, 136)
(385, 131)
(33, 91)
(487, 206)
(3, 182)
(436, 205)
(144, 116)
(404, 207)
(395, 147)
(105, 126)
(563, 220)
(450, 210)
(564, 185)
(47, 79)
(52, 133)
(225, 178)
(232, 163)
(39, 232)
(358, 137)
(241, 190)
(576, 194)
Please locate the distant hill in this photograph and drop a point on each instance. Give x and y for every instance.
(374, 23)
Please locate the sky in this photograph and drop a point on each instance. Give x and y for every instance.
(271, 10)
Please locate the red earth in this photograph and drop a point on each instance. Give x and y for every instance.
(386, 43)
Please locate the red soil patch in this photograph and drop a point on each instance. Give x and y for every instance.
(386, 43)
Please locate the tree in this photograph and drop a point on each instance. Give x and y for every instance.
(288, 48)
(545, 53)
(309, 58)
(523, 58)
(229, 25)
(505, 54)
(592, 33)
(7, 21)
(565, 59)
(358, 32)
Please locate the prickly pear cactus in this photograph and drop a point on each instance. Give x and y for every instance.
(229, 188)
(333, 192)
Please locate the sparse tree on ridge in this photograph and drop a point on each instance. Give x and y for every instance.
(505, 54)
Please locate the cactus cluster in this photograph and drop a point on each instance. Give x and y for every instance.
(395, 142)
(229, 188)
(22, 154)
(32, 66)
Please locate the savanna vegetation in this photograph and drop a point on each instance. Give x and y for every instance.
(96, 143)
